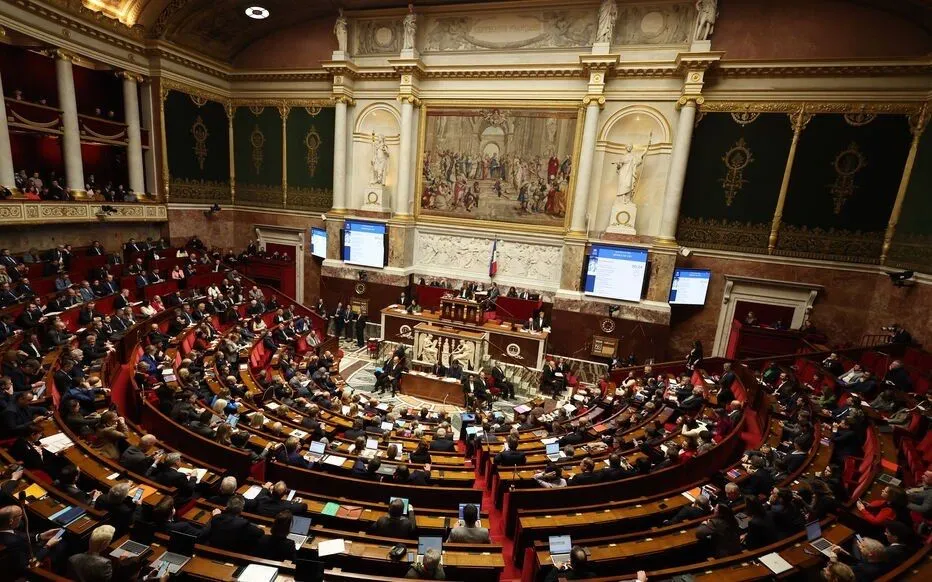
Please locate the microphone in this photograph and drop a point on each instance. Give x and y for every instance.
(22, 507)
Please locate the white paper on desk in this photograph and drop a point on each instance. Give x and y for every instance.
(243, 367)
(272, 405)
(569, 408)
(330, 547)
(451, 380)
(344, 410)
(198, 473)
(334, 460)
(298, 434)
(257, 573)
(776, 563)
(113, 476)
(383, 407)
(578, 397)
(56, 443)
(252, 492)
(549, 440)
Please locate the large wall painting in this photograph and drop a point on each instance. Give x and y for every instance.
(513, 165)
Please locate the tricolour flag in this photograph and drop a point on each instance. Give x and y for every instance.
(493, 264)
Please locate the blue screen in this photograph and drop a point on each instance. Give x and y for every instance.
(616, 272)
(689, 286)
(319, 242)
(364, 243)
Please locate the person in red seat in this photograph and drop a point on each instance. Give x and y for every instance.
(892, 506)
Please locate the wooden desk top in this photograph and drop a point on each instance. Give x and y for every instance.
(490, 327)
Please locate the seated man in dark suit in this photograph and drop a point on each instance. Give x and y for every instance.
(19, 549)
(228, 530)
(760, 481)
(510, 456)
(396, 524)
(442, 442)
(574, 437)
(587, 474)
(506, 386)
(270, 502)
(290, 454)
(167, 474)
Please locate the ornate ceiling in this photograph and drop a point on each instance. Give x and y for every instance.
(220, 28)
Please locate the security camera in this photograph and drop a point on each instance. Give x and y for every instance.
(323, 217)
(685, 251)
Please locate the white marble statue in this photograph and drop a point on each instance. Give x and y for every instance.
(705, 21)
(629, 168)
(445, 353)
(608, 14)
(464, 354)
(429, 352)
(410, 28)
(339, 30)
(379, 159)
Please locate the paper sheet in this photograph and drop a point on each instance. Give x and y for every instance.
(330, 547)
(776, 563)
(258, 573)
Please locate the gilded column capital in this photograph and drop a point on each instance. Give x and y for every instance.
(406, 98)
(800, 120)
(283, 110)
(696, 100)
(919, 121)
(129, 76)
(596, 99)
(344, 99)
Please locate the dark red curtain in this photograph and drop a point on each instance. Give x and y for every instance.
(766, 314)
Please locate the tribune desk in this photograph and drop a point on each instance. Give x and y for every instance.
(520, 346)
(430, 387)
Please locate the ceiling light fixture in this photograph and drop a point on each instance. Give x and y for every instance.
(257, 12)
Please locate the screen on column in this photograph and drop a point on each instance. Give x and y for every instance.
(319, 242)
(616, 272)
(689, 286)
(364, 243)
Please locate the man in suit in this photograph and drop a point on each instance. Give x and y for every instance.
(96, 249)
(439, 369)
(503, 384)
(539, 322)
(898, 377)
(549, 381)
(85, 293)
(7, 297)
(18, 548)
(587, 474)
(845, 440)
(760, 481)
(797, 458)
(7, 327)
(443, 441)
(6, 259)
(24, 289)
(132, 246)
(228, 530)
(141, 459)
(290, 454)
(271, 501)
(455, 370)
(141, 280)
(574, 437)
(58, 335)
(474, 386)
(396, 524)
(468, 530)
(155, 277)
(109, 285)
(167, 474)
(510, 456)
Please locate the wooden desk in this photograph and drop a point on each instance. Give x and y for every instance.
(519, 347)
(431, 387)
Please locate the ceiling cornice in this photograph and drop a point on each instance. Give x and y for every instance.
(833, 68)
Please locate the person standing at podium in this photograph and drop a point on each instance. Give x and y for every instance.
(439, 370)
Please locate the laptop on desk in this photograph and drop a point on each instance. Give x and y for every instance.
(180, 550)
(560, 547)
(130, 549)
(317, 452)
(299, 527)
(553, 452)
(815, 539)
(425, 543)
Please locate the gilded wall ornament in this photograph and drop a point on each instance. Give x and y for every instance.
(847, 164)
(257, 140)
(313, 111)
(312, 143)
(860, 118)
(745, 117)
(736, 160)
(198, 100)
(256, 110)
(200, 134)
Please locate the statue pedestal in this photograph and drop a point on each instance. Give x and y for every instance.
(601, 48)
(409, 53)
(374, 198)
(339, 56)
(622, 217)
(700, 46)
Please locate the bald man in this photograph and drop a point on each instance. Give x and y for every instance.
(141, 458)
(18, 545)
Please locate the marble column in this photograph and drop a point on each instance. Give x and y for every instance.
(673, 194)
(7, 174)
(339, 155)
(799, 122)
(584, 167)
(71, 133)
(403, 191)
(148, 122)
(918, 127)
(137, 183)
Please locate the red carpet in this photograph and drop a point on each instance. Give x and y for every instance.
(496, 527)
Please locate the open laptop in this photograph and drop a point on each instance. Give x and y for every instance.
(553, 452)
(308, 570)
(317, 452)
(405, 511)
(815, 539)
(299, 528)
(130, 549)
(560, 547)
(425, 543)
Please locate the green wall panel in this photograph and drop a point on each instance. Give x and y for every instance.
(310, 158)
(197, 139)
(912, 241)
(736, 166)
(257, 146)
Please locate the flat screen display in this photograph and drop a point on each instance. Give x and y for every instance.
(616, 272)
(319, 242)
(690, 286)
(364, 243)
